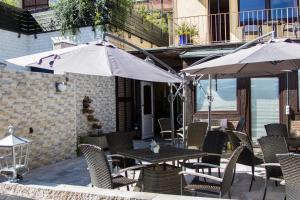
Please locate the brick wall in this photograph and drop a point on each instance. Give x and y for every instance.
(31, 100)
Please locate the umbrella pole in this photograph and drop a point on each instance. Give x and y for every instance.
(287, 107)
(184, 114)
(209, 102)
(172, 114)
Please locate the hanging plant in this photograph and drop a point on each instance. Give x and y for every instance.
(73, 14)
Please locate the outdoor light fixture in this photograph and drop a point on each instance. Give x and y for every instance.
(61, 86)
(14, 158)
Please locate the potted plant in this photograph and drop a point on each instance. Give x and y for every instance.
(186, 33)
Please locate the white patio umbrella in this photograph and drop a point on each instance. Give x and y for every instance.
(97, 58)
(270, 58)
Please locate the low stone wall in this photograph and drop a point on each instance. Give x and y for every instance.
(81, 193)
(30, 100)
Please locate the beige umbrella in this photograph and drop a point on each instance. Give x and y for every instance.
(269, 58)
(97, 58)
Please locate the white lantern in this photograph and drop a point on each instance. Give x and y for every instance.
(14, 156)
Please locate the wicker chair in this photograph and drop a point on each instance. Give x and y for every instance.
(247, 156)
(100, 172)
(196, 133)
(224, 184)
(290, 165)
(241, 124)
(165, 126)
(213, 146)
(272, 145)
(276, 129)
(117, 142)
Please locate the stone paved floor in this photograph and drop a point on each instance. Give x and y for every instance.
(74, 172)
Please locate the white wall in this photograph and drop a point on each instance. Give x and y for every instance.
(12, 46)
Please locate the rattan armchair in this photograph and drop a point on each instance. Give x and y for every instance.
(165, 126)
(223, 185)
(99, 169)
(290, 165)
(276, 129)
(196, 133)
(117, 142)
(241, 124)
(212, 146)
(272, 145)
(247, 156)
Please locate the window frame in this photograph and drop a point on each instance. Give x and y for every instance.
(267, 7)
(219, 112)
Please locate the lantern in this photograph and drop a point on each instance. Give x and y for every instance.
(14, 156)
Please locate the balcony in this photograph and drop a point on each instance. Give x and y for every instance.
(235, 27)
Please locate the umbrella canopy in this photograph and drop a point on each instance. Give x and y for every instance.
(101, 59)
(261, 60)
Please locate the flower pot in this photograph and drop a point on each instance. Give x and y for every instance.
(184, 39)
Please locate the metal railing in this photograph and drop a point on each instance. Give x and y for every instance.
(235, 26)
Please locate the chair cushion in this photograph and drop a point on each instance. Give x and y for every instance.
(120, 181)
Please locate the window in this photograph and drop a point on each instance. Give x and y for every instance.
(251, 11)
(282, 9)
(283, 3)
(223, 92)
(254, 11)
(246, 5)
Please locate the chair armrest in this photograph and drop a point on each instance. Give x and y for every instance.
(129, 168)
(115, 155)
(113, 160)
(208, 165)
(270, 165)
(211, 154)
(201, 175)
(180, 134)
(165, 131)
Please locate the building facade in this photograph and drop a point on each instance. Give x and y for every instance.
(30, 101)
(205, 27)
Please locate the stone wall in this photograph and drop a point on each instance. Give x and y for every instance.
(30, 100)
(102, 91)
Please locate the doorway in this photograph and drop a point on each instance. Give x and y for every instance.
(147, 110)
(219, 20)
(264, 105)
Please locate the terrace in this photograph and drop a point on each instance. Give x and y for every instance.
(235, 27)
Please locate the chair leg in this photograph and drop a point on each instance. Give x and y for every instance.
(229, 195)
(265, 190)
(204, 173)
(233, 175)
(276, 184)
(219, 172)
(252, 178)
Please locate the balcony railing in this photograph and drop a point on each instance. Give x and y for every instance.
(235, 27)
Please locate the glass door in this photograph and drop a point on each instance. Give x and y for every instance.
(264, 105)
(147, 110)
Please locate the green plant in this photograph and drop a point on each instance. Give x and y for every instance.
(73, 14)
(154, 17)
(186, 29)
(10, 2)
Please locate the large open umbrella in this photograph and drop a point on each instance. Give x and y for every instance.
(268, 58)
(103, 59)
(264, 59)
(97, 58)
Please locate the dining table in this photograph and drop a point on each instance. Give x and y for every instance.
(160, 177)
